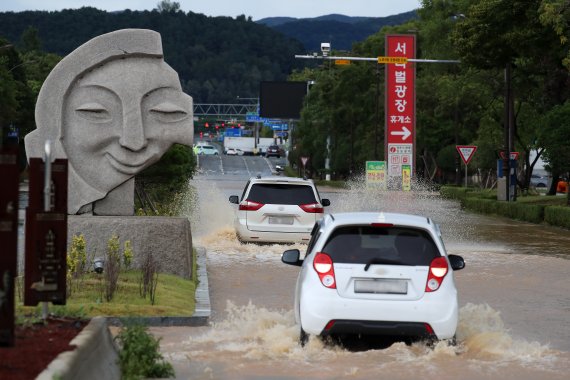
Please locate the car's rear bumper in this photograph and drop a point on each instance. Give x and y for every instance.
(362, 316)
(246, 235)
(384, 328)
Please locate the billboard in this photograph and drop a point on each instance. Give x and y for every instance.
(281, 100)
(400, 107)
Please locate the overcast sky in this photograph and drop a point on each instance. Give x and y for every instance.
(257, 9)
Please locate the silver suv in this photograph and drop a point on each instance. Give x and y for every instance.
(277, 210)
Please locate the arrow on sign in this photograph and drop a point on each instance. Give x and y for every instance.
(466, 152)
(405, 133)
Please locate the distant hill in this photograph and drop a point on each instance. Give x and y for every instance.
(341, 31)
(217, 58)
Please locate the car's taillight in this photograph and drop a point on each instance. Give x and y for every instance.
(323, 265)
(250, 206)
(437, 271)
(314, 208)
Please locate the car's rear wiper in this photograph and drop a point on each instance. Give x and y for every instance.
(379, 260)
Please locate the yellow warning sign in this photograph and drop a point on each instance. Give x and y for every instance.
(342, 62)
(392, 59)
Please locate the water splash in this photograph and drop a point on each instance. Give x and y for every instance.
(260, 334)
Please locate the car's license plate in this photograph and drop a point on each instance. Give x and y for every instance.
(384, 286)
(281, 220)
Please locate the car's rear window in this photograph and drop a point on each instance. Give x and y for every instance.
(394, 245)
(285, 194)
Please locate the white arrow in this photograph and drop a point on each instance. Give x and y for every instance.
(405, 133)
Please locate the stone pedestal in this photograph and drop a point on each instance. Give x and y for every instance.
(168, 239)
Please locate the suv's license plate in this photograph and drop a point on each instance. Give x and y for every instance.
(281, 220)
(384, 286)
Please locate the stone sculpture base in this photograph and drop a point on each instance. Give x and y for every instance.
(168, 239)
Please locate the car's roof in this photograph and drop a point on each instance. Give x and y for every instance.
(351, 218)
(280, 179)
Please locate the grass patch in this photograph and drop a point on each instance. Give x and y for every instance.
(174, 297)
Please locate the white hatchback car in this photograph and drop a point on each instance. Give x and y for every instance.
(277, 210)
(376, 274)
(207, 150)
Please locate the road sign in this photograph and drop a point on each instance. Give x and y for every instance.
(342, 62)
(304, 161)
(392, 59)
(466, 152)
(376, 174)
(406, 177)
(512, 156)
(400, 103)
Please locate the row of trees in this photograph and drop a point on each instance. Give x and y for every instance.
(23, 69)
(456, 103)
(217, 58)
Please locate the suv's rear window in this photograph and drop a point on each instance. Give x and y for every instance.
(394, 245)
(284, 194)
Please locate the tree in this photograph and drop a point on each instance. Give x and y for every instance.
(30, 40)
(508, 35)
(168, 6)
(556, 14)
(554, 138)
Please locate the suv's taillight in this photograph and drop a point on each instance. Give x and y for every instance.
(250, 205)
(323, 265)
(437, 271)
(314, 208)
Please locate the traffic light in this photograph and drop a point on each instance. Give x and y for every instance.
(206, 125)
(201, 135)
(217, 126)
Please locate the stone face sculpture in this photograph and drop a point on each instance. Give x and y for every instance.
(112, 108)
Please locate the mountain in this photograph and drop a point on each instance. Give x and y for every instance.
(217, 58)
(340, 30)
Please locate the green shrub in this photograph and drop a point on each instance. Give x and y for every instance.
(513, 210)
(557, 216)
(139, 357)
(453, 192)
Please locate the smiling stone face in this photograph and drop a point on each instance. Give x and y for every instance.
(121, 117)
(112, 107)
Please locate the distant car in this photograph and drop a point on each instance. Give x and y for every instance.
(234, 152)
(277, 210)
(207, 150)
(538, 181)
(376, 274)
(273, 151)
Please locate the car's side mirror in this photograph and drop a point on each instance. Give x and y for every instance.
(234, 199)
(456, 261)
(325, 202)
(291, 257)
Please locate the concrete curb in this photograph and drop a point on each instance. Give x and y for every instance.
(96, 355)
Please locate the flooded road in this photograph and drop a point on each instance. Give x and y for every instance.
(514, 299)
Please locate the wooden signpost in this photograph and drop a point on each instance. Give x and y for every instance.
(46, 233)
(9, 172)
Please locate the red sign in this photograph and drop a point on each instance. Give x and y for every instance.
(9, 172)
(466, 152)
(304, 160)
(400, 104)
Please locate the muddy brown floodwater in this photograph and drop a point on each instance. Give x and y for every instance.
(514, 301)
